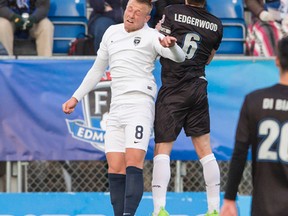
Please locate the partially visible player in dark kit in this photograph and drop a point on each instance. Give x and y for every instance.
(182, 99)
(263, 125)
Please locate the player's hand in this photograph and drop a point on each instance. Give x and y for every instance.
(18, 21)
(168, 41)
(69, 106)
(229, 208)
(30, 22)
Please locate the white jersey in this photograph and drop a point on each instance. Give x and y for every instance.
(131, 57)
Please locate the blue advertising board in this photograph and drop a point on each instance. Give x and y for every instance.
(33, 126)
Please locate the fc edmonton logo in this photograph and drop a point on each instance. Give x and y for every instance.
(95, 106)
(137, 40)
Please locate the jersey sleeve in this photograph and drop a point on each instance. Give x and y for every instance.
(91, 79)
(220, 32)
(97, 70)
(103, 49)
(243, 129)
(239, 155)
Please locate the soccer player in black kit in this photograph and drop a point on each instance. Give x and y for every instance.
(263, 125)
(182, 99)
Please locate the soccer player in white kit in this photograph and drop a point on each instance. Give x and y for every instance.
(130, 50)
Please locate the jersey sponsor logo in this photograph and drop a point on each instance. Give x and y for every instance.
(95, 107)
(165, 30)
(196, 22)
(137, 40)
(156, 186)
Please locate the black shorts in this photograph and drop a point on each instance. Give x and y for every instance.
(184, 106)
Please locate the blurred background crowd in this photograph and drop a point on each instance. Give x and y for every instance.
(47, 27)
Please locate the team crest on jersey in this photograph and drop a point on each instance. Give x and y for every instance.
(137, 40)
(95, 106)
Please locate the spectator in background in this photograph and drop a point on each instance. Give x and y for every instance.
(269, 24)
(104, 14)
(263, 127)
(36, 23)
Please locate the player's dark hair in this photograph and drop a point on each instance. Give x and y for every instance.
(283, 53)
(196, 2)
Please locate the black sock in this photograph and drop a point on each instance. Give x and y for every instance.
(117, 192)
(134, 190)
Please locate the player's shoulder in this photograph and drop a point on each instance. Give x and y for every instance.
(150, 32)
(261, 92)
(115, 28)
(170, 9)
(176, 6)
(113, 31)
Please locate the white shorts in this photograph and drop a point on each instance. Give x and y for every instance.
(129, 122)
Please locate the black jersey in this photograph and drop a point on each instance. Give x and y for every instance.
(263, 125)
(198, 32)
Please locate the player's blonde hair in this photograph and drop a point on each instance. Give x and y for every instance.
(146, 2)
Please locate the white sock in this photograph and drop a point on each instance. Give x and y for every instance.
(211, 174)
(160, 181)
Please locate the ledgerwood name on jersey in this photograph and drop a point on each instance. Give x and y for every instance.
(196, 22)
(276, 104)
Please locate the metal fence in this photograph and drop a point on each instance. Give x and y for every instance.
(91, 176)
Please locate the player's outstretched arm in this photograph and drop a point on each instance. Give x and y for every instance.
(168, 48)
(229, 208)
(69, 106)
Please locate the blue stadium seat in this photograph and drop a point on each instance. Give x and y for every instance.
(229, 9)
(231, 13)
(70, 21)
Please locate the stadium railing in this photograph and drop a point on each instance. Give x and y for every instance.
(231, 13)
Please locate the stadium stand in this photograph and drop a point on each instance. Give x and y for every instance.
(70, 21)
(231, 13)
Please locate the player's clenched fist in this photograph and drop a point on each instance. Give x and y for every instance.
(69, 106)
